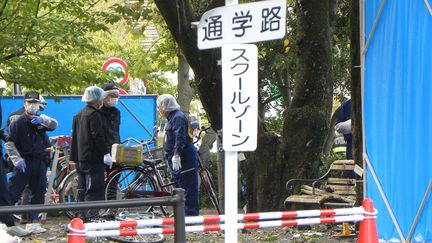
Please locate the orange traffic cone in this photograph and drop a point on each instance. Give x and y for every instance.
(368, 230)
(76, 236)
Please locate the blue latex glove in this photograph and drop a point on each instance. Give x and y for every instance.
(36, 120)
(20, 165)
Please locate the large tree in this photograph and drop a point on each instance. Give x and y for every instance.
(294, 154)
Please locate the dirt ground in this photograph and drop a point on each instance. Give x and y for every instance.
(56, 226)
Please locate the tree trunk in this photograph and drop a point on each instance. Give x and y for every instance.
(276, 159)
(307, 119)
(328, 144)
(185, 92)
(178, 15)
(356, 96)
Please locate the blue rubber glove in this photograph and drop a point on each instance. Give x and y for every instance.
(20, 165)
(36, 120)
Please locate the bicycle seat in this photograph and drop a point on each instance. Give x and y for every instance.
(152, 162)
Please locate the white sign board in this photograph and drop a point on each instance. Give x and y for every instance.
(240, 97)
(244, 23)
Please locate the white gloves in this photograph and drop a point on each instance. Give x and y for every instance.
(344, 127)
(48, 122)
(176, 162)
(108, 160)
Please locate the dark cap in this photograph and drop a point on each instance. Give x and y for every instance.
(31, 96)
(109, 86)
(194, 125)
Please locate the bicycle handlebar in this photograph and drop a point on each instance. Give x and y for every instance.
(130, 139)
(146, 143)
(203, 129)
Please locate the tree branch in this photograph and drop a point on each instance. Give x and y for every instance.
(268, 100)
(37, 9)
(215, 4)
(29, 32)
(3, 7)
(10, 17)
(37, 49)
(10, 56)
(89, 7)
(49, 12)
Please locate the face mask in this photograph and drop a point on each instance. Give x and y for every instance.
(32, 109)
(112, 102)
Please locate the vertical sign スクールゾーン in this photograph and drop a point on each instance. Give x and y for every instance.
(240, 96)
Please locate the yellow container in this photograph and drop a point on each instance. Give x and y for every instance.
(127, 155)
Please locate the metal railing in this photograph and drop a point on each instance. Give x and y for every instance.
(177, 200)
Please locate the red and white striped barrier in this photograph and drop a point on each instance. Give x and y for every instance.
(221, 218)
(218, 227)
(305, 217)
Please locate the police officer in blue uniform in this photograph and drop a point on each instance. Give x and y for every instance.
(4, 194)
(27, 150)
(25, 200)
(181, 154)
(344, 126)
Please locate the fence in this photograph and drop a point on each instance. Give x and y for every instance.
(365, 214)
(177, 200)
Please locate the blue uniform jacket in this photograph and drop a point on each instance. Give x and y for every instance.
(176, 131)
(28, 138)
(344, 115)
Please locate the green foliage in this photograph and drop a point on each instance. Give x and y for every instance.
(341, 50)
(39, 37)
(277, 65)
(58, 47)
(328, 160)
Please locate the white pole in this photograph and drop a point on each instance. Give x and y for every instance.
(231, 192)
(231, 185)
(51, 183)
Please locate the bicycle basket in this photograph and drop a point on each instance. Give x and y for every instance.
(127, 155)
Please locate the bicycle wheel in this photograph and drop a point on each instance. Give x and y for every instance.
(128, 183)
(210, 188)
(155, 238)
(68, 192)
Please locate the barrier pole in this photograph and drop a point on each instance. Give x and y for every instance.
(179, 215)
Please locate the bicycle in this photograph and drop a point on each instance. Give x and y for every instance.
(152, 179)
(206, 177)
(149, 179)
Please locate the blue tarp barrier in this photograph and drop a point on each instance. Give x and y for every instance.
(143, 107)
(398, 114)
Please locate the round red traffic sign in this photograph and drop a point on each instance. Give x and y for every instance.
(117, 64)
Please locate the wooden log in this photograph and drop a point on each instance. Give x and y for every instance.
(342, 181)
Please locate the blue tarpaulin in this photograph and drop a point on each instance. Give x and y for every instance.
(398, 115)
(143, 107)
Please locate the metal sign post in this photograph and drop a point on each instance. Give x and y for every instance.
(240, 116)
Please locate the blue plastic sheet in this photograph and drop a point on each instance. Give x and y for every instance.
(143, 107)
(398, 114)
